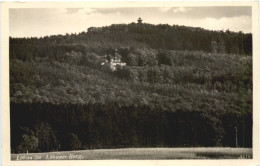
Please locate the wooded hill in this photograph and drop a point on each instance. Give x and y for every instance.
(181, 86)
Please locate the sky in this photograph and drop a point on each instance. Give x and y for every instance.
(39, 22)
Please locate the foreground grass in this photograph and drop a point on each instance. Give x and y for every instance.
(141, 153)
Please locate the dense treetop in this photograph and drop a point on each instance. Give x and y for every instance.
(213, 69)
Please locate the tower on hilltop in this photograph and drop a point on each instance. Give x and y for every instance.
(139, 20)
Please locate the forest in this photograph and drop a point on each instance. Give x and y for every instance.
(181, 87)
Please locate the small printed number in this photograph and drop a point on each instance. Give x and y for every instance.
(245, 156)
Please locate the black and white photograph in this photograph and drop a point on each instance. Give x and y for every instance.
(166, 82)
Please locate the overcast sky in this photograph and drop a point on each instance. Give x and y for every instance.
(42, 22)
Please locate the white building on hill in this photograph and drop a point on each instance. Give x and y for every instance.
(114, 61)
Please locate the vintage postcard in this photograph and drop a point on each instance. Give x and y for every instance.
(133, 83)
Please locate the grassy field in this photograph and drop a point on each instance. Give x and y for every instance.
(141, 154)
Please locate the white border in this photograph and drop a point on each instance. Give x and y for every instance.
(5, 83)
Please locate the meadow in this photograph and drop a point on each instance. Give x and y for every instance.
(141, 154)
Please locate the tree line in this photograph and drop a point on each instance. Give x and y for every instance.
(47, 127)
